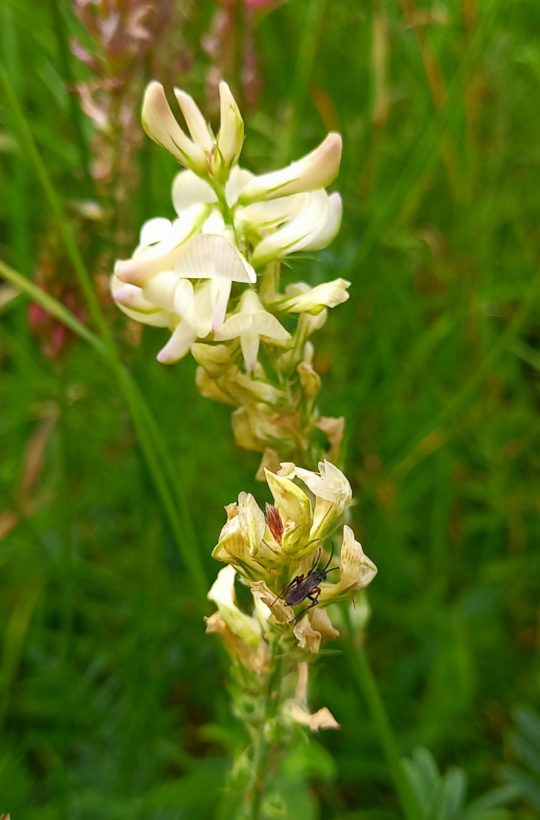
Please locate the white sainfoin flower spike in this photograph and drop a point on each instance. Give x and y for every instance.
(228, 220)
(251, 324)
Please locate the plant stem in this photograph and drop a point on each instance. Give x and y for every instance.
(261, 755)
(363, 675)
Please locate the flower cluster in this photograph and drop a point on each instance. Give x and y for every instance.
(211, 275)
(230, 223)
(285, 556)
(273, 551)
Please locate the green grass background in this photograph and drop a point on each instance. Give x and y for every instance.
(112, 700)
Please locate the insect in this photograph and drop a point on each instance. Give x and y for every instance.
(306, 587)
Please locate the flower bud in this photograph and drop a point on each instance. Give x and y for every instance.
(310, 380)
(334, 429)
(258, 426)
(215, 359)
(321, 719)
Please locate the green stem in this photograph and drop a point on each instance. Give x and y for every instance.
(262, 748)
(51, 305)
(363, 675)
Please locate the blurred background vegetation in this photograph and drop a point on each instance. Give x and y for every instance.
(112, 700)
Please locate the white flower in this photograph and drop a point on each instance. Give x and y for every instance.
(315, 170)
(329, 484)
(312, 228)
(162, 263)
(131, 301)
(301, 298)
(231, 132)
(294, 508)
(222, 594)
(160, 124)
(355, 568)
(159, 245)
(333, 495)
(251, 324)
(180, 275)
(203, 154)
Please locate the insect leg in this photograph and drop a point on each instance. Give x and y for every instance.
(291, 585)
(314, 598)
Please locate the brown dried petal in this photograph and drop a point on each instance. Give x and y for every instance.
(269, 461)
(322, 623)
(307, 637)
(334, 429)
(255, 658)
(281, 613)
(322, 719)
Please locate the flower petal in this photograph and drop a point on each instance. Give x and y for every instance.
(210, 256)
(329, 483)
(357, 570)
(178, 345)
(147, 261)
(267, 216)
(329, 228)
(160, 289)
(312, 300)
(188, 189)
(317, 169)
(195, 121)
(306, 231)
(155, 230)
(160, 124)
(222, 594)
(131, 301)
(249, 343)
(231, 132)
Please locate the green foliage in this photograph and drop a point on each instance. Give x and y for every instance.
(108, 687)
(524, 740)
(443, 797)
